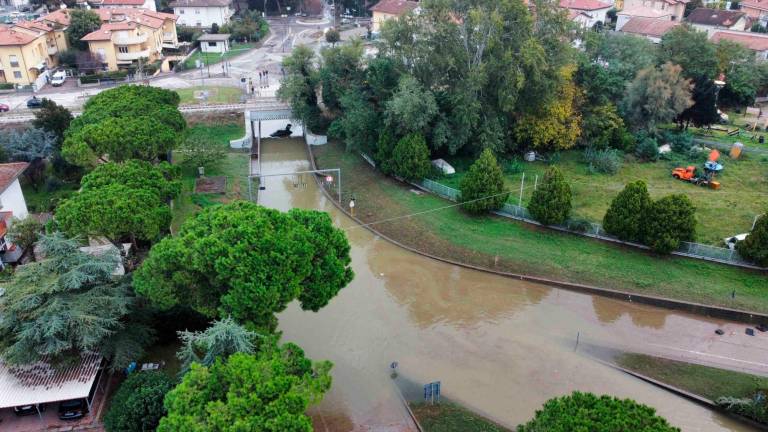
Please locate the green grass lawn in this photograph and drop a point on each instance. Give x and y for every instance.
(213, 58)
(43, 200)
(234, 166)
(216, 95)
(720, 213)
(449, 417)
(705, 381)
(508, 245)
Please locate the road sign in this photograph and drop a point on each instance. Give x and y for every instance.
(432, 392)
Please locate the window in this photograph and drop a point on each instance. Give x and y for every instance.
(101, 54)
(181, 11)
(211, 44)
(17, 74)
(14, 61)
(122, 49)
(197, 11)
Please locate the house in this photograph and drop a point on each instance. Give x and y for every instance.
(756, 10)
(23, 56)
(675, 8)
(12, 205)
(581, 19)
(389, 9)
(627, 14)
(594, 9)
(55, 37)
(650, 28)
(129, 37)
(214, 43)
(757, 42)
(123, 4)
(202, 13)
(710, 20)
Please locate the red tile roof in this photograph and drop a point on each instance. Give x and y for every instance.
(33, 25)
(586, 5)
(755, 4)
(9, 172)
(753, 41)
(199, 3)
(60, 17)
(9, 36)
(394, 7)
(123, 2)
(714, 17)
(649, 26)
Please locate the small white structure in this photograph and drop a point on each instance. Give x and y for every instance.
(214, 43)
(593, 11)
(443, 166)
(202, 13)
(11, 197)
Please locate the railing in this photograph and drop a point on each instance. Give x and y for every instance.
(133, 55)
(589, 229)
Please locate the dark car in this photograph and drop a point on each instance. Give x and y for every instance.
(26, 410)
(72, 409)
(34, 102)
(4, 107)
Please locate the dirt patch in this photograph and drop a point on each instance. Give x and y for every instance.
(215, 117)
(216, 185)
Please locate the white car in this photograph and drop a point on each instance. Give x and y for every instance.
(58, 78)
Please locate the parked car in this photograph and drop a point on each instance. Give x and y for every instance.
(72, 409)
(35, 102)
(26, 410)
(58, 78)
(4, 107)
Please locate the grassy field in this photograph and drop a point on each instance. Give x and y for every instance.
(42, 200)
(449, 417)
(234, 166)
(720, 213)
(705, 381)
(508, 245)
(210, 59)
(216, 95)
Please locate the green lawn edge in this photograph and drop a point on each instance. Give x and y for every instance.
(451, 417)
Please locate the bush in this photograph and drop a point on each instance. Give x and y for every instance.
(681, 142)
(625, 217)
(551, 201)
(606, 161)
(89, 79)
(384, 148)
(512, 166)
(750, 408)
(755, 246)
(587, 412)
(138, 403)
(25, 232)
(410, 158)
(484, 179)
(7, 86)
(647, 148)
(670, 221)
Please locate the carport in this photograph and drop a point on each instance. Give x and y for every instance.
(40, 383)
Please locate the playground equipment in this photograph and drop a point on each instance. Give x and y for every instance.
(706, 177)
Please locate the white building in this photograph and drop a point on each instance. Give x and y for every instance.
(649, 28)
(214, 43)
(124, 4)
(587, 12)
(202, 13)
(11, 198)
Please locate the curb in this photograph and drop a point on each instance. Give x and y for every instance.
(747, 317)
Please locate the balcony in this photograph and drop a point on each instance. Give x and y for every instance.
(130, 40)
(169, 37)
(133, 55)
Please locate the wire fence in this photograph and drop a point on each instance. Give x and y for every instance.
(590, 229)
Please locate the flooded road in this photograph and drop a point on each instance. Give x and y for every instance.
(500, 346)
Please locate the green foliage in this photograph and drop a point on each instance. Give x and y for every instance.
(137, 406)
(188, 34)
(588, 412)
(752, 408)
(384, 149)
(671, 220)
(681, 142)
(626, 217)
(411, 108)
(410, 158)
(247, 262)
(53, 118)
(755, 246)
(551, 201)
(602, 127)
(332, 36)
(689, 48)
(198, 151)
(484, 179)
(67, 304)
(657, 96)
(163, 179)
(647, 148)
(81, 22)
(360, 123)
(266, 392)
(299, 85)
(340, 69)
(115, 211)
(250, 27)
(25, 232)
(606, 161)
(703, 112)
(222, 339)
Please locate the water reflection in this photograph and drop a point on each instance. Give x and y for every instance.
(609, 311)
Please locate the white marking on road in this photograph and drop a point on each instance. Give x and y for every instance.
(710, 355)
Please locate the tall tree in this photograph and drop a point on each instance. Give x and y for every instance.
(53, 118)
(32, 145)
(627, 215)
(412, 107)
(657, 96)
(689, 48)
(755, 246)
(67, 304)
(222, 339)
(703, 112)
(247, 262)
(484, 179)
(81, 22)
(410, 158)
(162, 178)
(671, 219)
(137, 406)
(269, 391)
(298, 88)
(551, 201)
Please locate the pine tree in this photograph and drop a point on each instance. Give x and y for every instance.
(222, 339)
(671, 220)
(484, 179)
(410, 159)
(551, 202)
(755, 246)
(625, 217)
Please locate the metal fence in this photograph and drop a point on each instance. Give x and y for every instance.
(586, 228)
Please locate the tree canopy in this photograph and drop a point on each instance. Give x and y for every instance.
(53, 118)
(691, 50)
(248, 262)
(162, 178)
(626, 216)
(410, 158)
(484, 179)
(269, 391)
(755, 246)
(81, 22)
(657, 96)
(671, 219)
(222, 339)
(551, 201)
(137, 406)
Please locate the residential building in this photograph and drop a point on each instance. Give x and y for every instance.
(757, 42)
(23, 56)
(389, 9)
(131, 36)
(594, 9)
(756, 10)
(650, 28)
(581, 19)
(675, 8)
(124, 4)
(202, 13)
(627, 14)
(214, 43)
(710, 20)
(55, 38)
(12, 205)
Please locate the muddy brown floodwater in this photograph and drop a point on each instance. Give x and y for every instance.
(500, 346)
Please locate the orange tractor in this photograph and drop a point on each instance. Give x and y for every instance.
(691, 173)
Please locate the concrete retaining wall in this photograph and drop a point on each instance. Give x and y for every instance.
(313, 139)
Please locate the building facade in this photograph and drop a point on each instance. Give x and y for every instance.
(124, 4)
(202, 13)
(711, 20)
(594, 10)
(390, 9)
(23, 56)
(675, 8)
